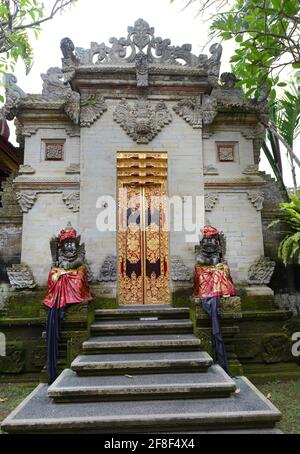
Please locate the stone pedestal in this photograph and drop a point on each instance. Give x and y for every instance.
(230, 315)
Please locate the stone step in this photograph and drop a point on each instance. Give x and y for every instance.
(116, 363)
(248, 409)
(69, 387)
(146, 342)
(142, 326)
(139, 311)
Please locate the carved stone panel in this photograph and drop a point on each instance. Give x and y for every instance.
(257, 199)
(72, 200)
(142, 121)
(26, 200)
(54, 151)
(20, 276)
(92, 107)
(210, 199)
(108, 271)
(179, 271)
(197, 111)
(260, 273)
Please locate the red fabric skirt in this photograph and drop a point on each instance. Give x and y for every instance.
(67, 287)
(213, 280)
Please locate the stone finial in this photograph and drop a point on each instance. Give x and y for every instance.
(67, 47)
(261, 271)
(228, 80)
(141, 67)
(143, 121)
(142, 42)
(13, 96)
(20, 276)
(108, 270)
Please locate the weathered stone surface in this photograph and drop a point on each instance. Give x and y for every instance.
(92, 107)
(26, 200)
(142, 121)
(261, 271)
(108, 271)
(141, 41)
(21, 277)
(277, 348)
(179, 271)
(13, 362)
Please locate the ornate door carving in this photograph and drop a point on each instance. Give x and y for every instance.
(142, 235)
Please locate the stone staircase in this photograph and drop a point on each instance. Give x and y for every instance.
(143, 371)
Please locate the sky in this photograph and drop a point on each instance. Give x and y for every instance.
(97, 20)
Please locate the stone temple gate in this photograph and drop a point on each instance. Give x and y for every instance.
(151, 117)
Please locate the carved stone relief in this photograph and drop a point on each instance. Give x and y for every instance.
(72, 200)
(20, 276)
(108, 270)
(261, 271)
(210, 199)
(142, 121)
(179, 271)
(141, 41)
(73, 169)
(92, 107)
(26, 169)
(26, 200)
(257, 199)
(197, 111)
(210, 170)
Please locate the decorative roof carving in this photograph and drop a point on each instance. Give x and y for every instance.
(142, 121)
(92, 107)
(20, 276)
(210, 199)
(53, 84)
(13, 96)
(141, 41)
(257, 199)
(261, 271)
(72, 200)
(26, 200)
(197, 110)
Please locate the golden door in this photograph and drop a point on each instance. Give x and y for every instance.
(142, 235)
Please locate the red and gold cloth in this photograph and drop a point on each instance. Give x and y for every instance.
(213, 280)
(67, 287)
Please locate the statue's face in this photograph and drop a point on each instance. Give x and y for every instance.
(210, 245)
(69, 247)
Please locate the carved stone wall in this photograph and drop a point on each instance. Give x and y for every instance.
(10, 228)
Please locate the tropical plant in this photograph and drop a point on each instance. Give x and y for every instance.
(290, 216)
(17, 19)
(284, 123)
(266, 37)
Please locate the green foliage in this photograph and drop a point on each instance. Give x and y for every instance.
(267, 38)
(18, 18)
(289, 215)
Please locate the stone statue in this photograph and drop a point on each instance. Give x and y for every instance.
(212, 247)
(67, 284)
(212, 281)
(67, 47)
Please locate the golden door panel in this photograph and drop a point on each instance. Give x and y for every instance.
(142, 238)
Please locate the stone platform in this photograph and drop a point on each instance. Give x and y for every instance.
(170, 389)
